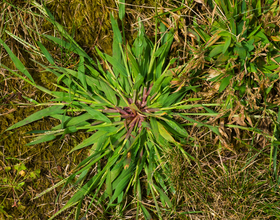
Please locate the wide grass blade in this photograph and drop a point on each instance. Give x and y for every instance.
(89, 141)
(80, 120)
(164, 198)
(116, 30)
(46, 53)
(69, 46)
(116, 64)
(17, 62)
(121, 9)
(164, 133)
(81, 72)
(39, 115)
(96, 114)
(124, 179)
(177, 127)
(224, 83)
(42, 139)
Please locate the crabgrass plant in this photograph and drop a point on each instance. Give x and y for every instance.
(128, 107)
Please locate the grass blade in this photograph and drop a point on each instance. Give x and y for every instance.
(89, 141)
(38, 115)
(116, 29)
(121, 9)
(46, 53)
(17, 62)
(81, 72)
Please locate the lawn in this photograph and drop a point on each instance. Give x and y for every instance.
(140, 109)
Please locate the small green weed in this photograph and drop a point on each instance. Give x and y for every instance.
(13, 184)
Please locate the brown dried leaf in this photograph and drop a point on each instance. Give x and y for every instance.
(249, 120)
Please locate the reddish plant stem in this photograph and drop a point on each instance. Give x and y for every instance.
(131, 126)
(121, 111)
(110, 110)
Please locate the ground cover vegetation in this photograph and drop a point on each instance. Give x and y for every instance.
(178, 119)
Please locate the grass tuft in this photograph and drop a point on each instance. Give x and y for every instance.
(173, 115)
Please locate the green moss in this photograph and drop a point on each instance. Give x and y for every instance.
(88, 21)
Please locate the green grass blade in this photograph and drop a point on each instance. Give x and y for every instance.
(17, 62)
(139, 43)
(154, 127)
(212, 128)
(74, 121)
(116, 29)
(94, 72)
(164, 133)
(233, 26)
(145, 212)
(68, 46)
(120, 187)
(135, 69)
(46, 53)
(241, 51)
(116, 64)
(163, 196)
(156, 87)
(138, 82)
(224, 83)
(121, 9)
(109, 93)
(38, 115)
(217, 50)
(177, 97)
(89, 141)
(178, 128)
(96, 114)
(81, 72)
(109, 191)
(45, 138)
(227, 44)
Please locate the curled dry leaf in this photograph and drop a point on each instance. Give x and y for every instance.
(22, 173)
(200, 1)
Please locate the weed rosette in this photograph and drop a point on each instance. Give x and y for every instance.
(127, 105)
